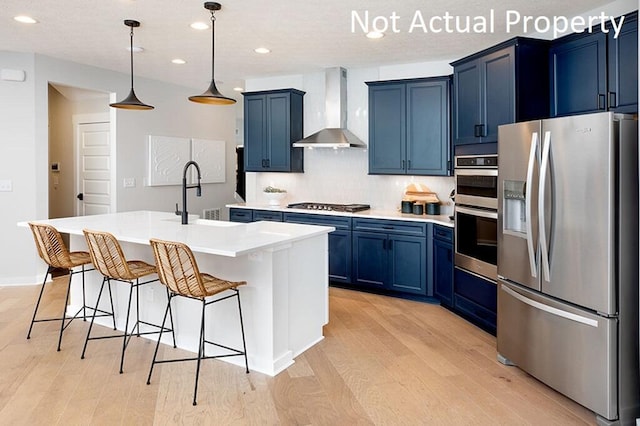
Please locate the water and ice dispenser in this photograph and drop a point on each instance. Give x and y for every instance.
(514, 217)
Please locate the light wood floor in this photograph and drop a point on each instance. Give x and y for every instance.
(384, 361)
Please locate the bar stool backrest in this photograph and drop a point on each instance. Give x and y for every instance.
(107, 255)
(51, 247)
(177, 268)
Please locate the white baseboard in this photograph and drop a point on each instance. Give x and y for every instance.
(17, 281)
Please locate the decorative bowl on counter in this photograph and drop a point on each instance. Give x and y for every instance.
(274, 195)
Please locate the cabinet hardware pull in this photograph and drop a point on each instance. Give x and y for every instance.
(387, 227)
(613, 100)
(408, 164)
(602, 101)
(403, 165)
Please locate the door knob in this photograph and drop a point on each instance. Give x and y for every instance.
(80, 196)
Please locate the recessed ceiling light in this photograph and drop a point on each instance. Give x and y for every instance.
(25, 19)
(375, 34)
(136, 49)
(262, 50)
(199, 26)
(178, 61)
(238, 89)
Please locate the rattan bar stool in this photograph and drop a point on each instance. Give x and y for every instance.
(53, 250)
(108, 258)
(178, 270)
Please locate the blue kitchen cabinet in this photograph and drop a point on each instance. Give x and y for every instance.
(409, 127)
(593, 72)
(578, 67)
(339, 242)
(272, 123)
(240, 215)
(500, 85)
(390, 255)
(443, 264)
(622, 67)
(475, 299)
(267, 215)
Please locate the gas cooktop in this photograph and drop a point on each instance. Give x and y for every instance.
(350, 208)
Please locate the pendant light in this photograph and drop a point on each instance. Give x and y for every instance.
(131, 101)
(212, 95)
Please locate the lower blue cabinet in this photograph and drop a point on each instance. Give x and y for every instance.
(241, 215)
(267, 215)
(475, 298)
(443, 265)
(393, 259)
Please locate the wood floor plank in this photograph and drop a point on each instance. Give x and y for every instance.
(383, 361)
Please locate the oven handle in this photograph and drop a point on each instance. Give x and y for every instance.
(476, 172)
(477, 212)
(528, 201)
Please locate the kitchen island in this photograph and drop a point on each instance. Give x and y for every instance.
(285, 301)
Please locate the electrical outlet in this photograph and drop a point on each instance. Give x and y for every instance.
(129, 182)
(6, 185)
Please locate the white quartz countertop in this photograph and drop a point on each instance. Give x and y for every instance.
(443, 220)
(204, 236)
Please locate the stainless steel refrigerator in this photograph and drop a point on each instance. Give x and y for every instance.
(568, 258)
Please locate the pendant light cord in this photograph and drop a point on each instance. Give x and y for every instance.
(213, 42)
(131, 51)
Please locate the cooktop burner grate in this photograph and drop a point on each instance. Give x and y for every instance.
(350, 208)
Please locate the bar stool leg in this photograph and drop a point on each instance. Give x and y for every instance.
(84, 298)
(173, 333)
(244, 344)
(64, 309)
(155, 352)
(113, 312)
(35, 311)
(200, 353)
(93, 317)
(126, 328)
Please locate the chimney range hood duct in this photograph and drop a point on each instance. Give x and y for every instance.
(335, 135)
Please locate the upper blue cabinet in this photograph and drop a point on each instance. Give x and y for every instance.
(272, 123)
(500, 85)
(409, 127)
(596, 71)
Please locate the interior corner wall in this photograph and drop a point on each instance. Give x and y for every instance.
(24, 121)
(61, 182)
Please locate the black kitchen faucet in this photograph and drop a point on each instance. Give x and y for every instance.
(184, 213)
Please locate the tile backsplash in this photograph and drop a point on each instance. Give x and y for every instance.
(341, 176)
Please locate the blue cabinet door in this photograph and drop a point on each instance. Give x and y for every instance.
(255, 132)
(428, 146)
(369, 259)
(278, 146)
(387, 132)
(466, 104)
(497, 93)
(622, 72)
(407, 264)
(443, 271)
(340, 256)
(578, 67)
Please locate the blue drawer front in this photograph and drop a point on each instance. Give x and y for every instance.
(267, 215)
(390, 226)
(443, 233)
(338, 222)
(241, 215)
(476, 289)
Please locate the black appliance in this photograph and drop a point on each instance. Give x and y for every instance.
(240, 173)
(349, 208)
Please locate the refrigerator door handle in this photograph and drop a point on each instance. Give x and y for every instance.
(550, 309)
(544, 171)
(528, 193)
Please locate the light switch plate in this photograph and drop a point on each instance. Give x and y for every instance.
(6, 185)
(129, 182)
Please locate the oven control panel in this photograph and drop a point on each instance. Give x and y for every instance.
(476, 161)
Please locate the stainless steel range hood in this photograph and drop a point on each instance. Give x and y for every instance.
(335, 135)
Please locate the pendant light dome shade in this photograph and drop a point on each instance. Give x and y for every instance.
(212, 95)
(131, 101)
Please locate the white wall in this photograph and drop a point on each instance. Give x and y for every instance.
(341, 176)
(24, 148)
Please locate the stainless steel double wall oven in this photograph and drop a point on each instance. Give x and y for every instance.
(476, 214)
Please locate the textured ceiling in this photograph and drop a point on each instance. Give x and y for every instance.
(303, 35)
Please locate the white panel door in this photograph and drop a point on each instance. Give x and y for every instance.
(94, 171)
